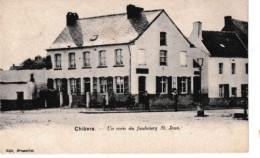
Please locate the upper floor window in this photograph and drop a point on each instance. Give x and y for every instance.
(118, 57)
(183, 58)
(162, 38)
(119, 85)
(102, 58)
(141, 57)
(86, 59)
(57, 61)
(220, 68)
(72, 60)
(163, 57)
(233, 68)
(246, 68)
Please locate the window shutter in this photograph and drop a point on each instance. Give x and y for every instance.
(126, 84)
(169, 84)
(179, 84)
(94, 84)
(189, 85)
(78, 85)
(50, 83)
(158, 85)
(110, 84)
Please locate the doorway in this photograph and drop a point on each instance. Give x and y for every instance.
(141, 87)
(20, 100)
(196, 87)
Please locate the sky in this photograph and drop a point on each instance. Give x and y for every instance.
(28, 27)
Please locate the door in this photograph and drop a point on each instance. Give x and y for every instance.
(64, 89)
(87, 84)
(196, 87)
(244, 90)
(226, 90)
(20, 100)
(141, 87)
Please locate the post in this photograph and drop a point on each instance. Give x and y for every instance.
(200, 109)
(61, 99)
(87, 99)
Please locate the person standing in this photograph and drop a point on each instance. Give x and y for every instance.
(104, 102)
(146, 100)
(175, 99)
(112, 101)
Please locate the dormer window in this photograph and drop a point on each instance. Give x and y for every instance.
(162, 38)
(94, 37)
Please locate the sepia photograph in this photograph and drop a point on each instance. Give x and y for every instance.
(123, 76)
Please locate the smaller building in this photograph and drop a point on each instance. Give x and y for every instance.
(19, 89)
(226, 65)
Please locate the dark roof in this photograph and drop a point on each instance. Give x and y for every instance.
(224, 44)
(237, 26)
(106, 30)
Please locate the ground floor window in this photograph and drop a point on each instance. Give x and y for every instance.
(234, 91)
(223, 90)
(119, 84)
(184, 85)
(163, 84)
(103, 85)
(244, 90)
(75, 85)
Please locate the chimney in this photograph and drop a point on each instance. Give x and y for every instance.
(197, 30)
(133, 11)
(72, 18)
(228, 20)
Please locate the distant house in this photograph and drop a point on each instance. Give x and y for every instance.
(237, 26)
(14, 67)
(19, 89)
(226, 64)
(132, 52)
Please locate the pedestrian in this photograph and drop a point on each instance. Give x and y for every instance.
(146, 100)
(112, 101)
(175, 99)
(104, 102)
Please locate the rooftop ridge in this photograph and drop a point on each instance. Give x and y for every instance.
(228, 32)
(101, 16)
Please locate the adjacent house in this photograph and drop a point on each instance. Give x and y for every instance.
(137, 51)
(226, 64)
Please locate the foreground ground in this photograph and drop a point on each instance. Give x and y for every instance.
(71, 130)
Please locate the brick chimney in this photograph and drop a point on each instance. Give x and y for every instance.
(133, 11)
(228, 20)
(197, 30)
(72, 18)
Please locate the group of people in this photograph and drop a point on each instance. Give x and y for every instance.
(130, 100)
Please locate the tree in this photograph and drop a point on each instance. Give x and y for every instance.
(48, 62)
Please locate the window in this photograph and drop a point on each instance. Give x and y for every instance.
(223, 90)
(72, 61)
(103, 85)
(183, 58)
(164, 85)
(73, 85)
(163, 57)
(119, 85)
(58, 84)
(234, 91)
(141, 57)
(220, 68)
(162, 38)
(174, 82)
(57, 61)
(246, 68)
(233, 68)
(118, 57)
(184, 85)
(102, 58)
(86, 59)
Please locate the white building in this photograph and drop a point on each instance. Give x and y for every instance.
(132, 52)
(226, 64)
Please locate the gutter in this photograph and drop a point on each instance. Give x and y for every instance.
(130, 65)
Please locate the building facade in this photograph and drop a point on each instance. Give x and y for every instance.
(132, 52)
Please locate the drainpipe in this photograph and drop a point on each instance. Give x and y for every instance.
(130, 65)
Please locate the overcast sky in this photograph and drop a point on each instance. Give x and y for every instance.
(28, 27)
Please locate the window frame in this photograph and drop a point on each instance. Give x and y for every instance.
(164, 82)
(163, 39)
(57, 66)
(86, 59)
(233, 68)
(183, 54)
(72, 61)
(220, 68)
(184, 84)
(235, 90)
(121, 87)
(221, 91)
(102, 58)
(246, 65)
(163, 55)
(103, 85)
(119, 56)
